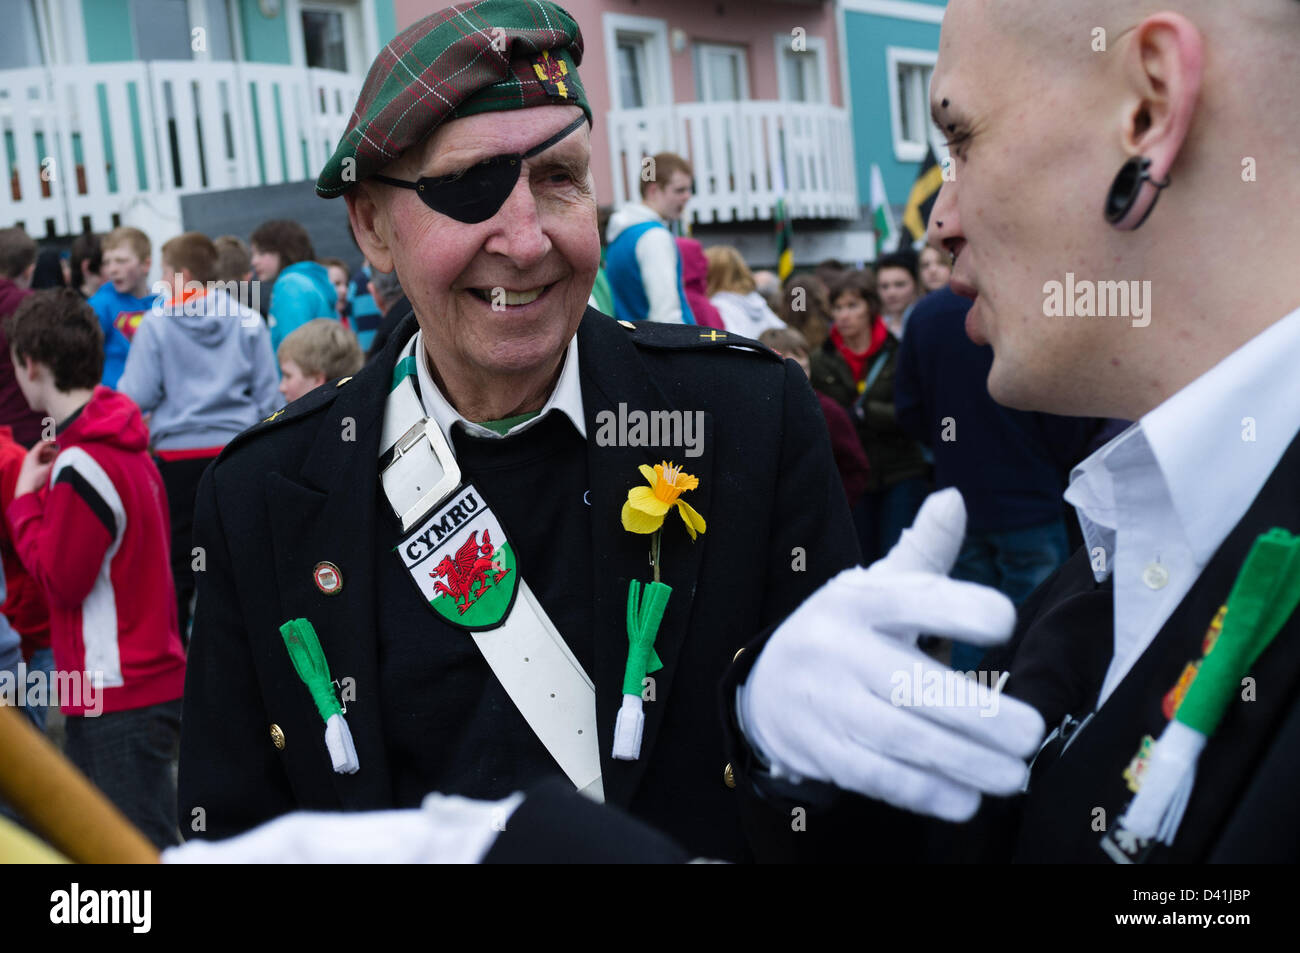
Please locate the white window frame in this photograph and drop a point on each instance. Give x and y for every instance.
(697, 55)
(895, 56)
(356, 36)
(653, 33)
(816, 46)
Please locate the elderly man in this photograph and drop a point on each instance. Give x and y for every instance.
(1164, 656)
(430, 577)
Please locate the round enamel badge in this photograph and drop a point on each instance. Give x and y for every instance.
(328, 578)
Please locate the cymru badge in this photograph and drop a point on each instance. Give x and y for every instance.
(462, 563)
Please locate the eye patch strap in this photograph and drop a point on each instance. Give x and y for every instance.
(555, 138)
(439, 180)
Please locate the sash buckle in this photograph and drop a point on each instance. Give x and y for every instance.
(422, 473)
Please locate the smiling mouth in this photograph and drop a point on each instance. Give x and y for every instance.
(502, 296)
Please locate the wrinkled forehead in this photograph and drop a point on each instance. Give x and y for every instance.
(472, 139)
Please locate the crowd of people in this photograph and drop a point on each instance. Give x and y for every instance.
(153, 379)
(117, 392)
(767, 695)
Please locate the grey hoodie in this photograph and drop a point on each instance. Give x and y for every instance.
(204, 369)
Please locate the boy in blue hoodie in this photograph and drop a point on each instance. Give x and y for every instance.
(202, 365)
(301, 289)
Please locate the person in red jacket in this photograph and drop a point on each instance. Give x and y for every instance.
(24, 604)
(90, 524)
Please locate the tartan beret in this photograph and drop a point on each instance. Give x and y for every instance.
(470, 58)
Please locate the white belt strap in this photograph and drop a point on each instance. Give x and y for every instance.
(526, 653)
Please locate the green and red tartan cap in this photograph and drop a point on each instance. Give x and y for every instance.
(470, 58)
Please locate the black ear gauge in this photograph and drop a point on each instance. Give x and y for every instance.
(1130, 201)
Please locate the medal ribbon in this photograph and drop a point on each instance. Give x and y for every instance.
(1263, 597)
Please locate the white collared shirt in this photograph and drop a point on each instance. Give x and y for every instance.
(565, 398)
(1156, 502)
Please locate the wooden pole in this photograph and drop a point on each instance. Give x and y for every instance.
(60, 803)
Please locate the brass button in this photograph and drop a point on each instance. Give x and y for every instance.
(728, 776)
(343, 381)
(737, 655)
(277, 739)
(628, 324)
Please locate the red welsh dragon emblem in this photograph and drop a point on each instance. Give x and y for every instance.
(472, 564)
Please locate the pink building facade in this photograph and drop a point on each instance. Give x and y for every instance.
(750, 92)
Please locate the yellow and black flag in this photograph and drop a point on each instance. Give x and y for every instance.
(916, 217)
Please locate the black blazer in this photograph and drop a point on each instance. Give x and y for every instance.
(289, 493)
(1243, 805)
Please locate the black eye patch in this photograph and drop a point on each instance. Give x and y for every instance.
(477, 193)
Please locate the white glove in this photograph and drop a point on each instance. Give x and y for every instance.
(447, 829)
(835, 694)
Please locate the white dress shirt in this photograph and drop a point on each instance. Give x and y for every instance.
(1156, 502)
(565, 398)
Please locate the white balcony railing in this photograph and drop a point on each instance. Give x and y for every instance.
(740, 152)
(84, 144)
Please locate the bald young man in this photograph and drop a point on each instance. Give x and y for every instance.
(1151, 710)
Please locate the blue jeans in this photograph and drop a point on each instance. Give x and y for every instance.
(128, 755)
(41, 660)
(1012, 561)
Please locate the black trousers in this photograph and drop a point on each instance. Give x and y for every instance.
(181, 480)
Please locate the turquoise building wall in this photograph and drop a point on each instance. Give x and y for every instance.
(867, 35)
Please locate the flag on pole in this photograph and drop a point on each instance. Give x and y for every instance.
(916, 217)
(784, 241)
(784, 226)
(882, 215)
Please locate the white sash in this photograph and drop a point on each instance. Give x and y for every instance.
(525, 652)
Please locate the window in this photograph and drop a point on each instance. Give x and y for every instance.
(217, 16)
(20, 41)
(323, 43)
(631, 72)
(909, 92)
(636, 55)
(720, 73)
(162, 29)
(802, 72)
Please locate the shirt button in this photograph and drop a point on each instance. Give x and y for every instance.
(1155, 576)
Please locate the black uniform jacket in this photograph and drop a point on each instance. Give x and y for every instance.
(291, 492)
(1243, 804)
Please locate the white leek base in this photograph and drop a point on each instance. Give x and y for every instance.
(628, 728)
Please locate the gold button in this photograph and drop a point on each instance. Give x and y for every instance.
(343, 381)
(737, 655)
(728, 776)
(277, 739)
(628, 324)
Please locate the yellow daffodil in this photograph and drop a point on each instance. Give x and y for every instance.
(646, 506)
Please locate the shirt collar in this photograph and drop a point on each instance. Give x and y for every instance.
(1214, 445)
(1218, 439)
(565, 398)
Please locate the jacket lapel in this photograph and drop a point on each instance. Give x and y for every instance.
(613, 373)
(1092, 771)
(332, 516)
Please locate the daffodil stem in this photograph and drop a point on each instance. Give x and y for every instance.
(654, 552)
